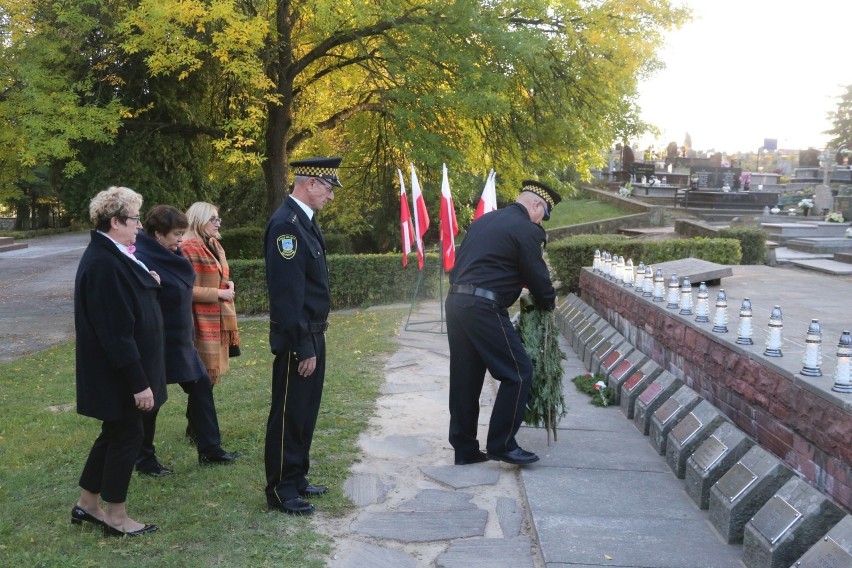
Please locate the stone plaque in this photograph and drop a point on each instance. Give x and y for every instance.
(825, 554)
(667, 410)
(621, 369)
(709, 453)
(735, 481)
(634, 379)
(588, 333)
(610, 361)
(603, 349)
(649, 394)
(775, 518)
(686, 428)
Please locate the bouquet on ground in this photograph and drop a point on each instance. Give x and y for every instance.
(835, 217)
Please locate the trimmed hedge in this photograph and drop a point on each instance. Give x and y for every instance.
(569, 255)
(752, 242)
(243, 243)
(357, 281)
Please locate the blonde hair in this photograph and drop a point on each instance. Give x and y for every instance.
(112, 202)
(198, 214)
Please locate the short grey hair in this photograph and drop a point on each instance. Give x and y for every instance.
(112, 202)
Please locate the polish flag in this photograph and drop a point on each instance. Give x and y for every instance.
(407, 229)
(421, 217)
(488, 201)
(449, 226)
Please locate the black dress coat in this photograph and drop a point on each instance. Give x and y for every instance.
(183, 364)
(119, 333)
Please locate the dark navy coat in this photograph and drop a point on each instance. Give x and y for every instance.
(183, 364)
(503, 252)
(119, 332)
(297, 280)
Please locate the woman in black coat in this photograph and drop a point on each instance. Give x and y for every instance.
(159, 248)
(120, 368)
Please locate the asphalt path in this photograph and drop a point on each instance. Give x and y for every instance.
(37, 293)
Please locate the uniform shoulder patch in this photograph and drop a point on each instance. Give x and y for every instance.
(287, 245)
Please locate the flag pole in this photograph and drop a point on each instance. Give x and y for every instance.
(409, 324)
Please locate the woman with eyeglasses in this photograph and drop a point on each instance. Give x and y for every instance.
(120, 367)
(159, 248)
(216, 335)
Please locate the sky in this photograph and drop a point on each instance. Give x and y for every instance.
(746, 70)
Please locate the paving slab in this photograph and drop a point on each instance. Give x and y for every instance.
(419, 526)
(826, 265)
(400, 446)
(510, 515)
(365, 554)
(459, 477)
(366, 489)
(488, 553)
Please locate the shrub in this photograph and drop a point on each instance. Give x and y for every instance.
(568, 256)
(752, 243)
(243, 243)
(356, 281)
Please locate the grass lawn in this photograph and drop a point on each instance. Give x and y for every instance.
(575, 211)
(208, 516)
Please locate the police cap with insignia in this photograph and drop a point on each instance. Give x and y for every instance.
(323, 168)
(549, 195)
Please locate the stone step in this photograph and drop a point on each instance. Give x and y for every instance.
(784, 255)
(843, 257)
(821, 245)
(825, 265)
(9, 244)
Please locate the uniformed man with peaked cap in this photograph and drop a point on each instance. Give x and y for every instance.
(299, 303)
(500, 255)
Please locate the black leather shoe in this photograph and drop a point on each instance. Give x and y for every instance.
(79, 514)
(218, 459)
(294, 506)
(158, 470)
(313, 490)
(518, 456)
(468, 459)
(112, 531)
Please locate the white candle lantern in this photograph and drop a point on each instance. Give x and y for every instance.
(812, 357)
(720, 317)
(659, 286)
(775, 337)
(596, 263)
(648, 285)
(639, 279)
(842, 380)
(686, 298)
(627, 277)
(744, 331)
(702, 306)
(674, 292)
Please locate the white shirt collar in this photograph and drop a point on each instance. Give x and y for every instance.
(308, 211)
(125, 250)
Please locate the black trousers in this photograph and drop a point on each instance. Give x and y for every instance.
(290, 427)
(201, 414)
(482, 337)
(110, 463)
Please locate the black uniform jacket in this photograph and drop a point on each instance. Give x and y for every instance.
(502, 252)
(119, 332)
(296, 278)
(183, 364)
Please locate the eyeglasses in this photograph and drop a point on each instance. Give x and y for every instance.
(135, 219)
(329, 187)
(215, 220)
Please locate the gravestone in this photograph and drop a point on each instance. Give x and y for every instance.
(710, 177)
(834, 550)
(594, 344)
(605, 349)
(586, 328)
(654, 395)
(567, 315)
(586, 336)
(715, 456)
(690, 433)
(744, 489)
(793, 520)
(615, 357)
(669, 414)
(622, 371)
(638, 380)
(580, 319)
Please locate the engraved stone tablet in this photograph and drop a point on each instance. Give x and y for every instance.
(607, 345)
(775, 518)
(610, 361)
(709, 453)
(667, 410)
(622, 368)
(588, 333)
(686, 428)
(825, 554)
(649, 394)
(634, 379)
(735, 481)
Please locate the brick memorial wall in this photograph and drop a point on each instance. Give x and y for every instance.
(810, 433)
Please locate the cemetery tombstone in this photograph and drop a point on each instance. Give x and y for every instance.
(622, 371)
(690, 433)
(604, 350)
(595, 342)
(834, 550)
(715, 456)
(669, 414)
(635, 384)
(654, 395)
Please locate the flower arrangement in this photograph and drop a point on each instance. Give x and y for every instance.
(806, 204)
(745, 180)
(600, 393)
(835, 217)
(626, 190)
(594, 386)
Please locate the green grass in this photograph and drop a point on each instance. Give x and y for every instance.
(208, 516)
(575, 211)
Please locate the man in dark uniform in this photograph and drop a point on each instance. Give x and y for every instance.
(299, 302)
(501, 254)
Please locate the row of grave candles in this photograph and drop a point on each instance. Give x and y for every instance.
(677, 295)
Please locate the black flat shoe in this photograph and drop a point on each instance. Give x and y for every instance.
(294, 506)
(478, 457)
(313, 490)
(79, 514)
(218, 459)
(158, 470)
(112, 531)
(518, 456)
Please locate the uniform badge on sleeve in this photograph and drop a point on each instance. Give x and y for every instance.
(287, 246)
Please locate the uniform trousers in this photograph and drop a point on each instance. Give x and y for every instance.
(110, 463)
(481, 337)
(201, 415)
(290, 427)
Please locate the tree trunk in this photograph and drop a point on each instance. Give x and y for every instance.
(275, 166)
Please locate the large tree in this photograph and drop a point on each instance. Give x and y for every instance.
(841, 121)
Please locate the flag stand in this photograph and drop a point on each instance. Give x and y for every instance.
(409, 324)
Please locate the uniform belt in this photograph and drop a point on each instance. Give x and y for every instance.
(318, 327)
(471, 290)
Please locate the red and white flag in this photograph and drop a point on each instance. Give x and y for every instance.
(488, 201)
(406, 228)
(421, 217)
(449, 226)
